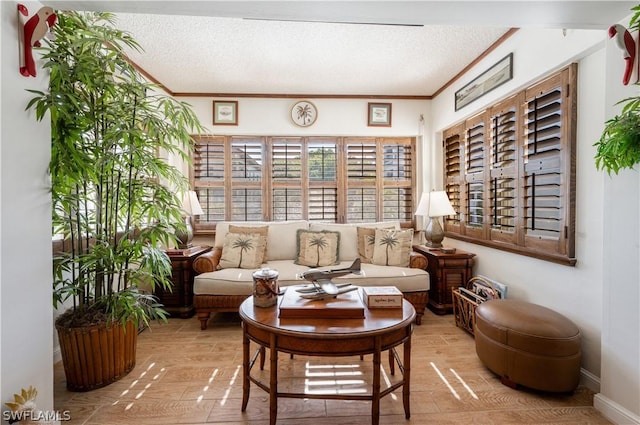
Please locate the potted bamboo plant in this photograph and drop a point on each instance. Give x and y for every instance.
(619, 144)
(115, 201)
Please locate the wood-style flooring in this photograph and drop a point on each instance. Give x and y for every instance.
(187, 376)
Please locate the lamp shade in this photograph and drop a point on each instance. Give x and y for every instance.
(434, 204)
(191, 205)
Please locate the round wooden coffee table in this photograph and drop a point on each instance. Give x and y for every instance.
(380, 330)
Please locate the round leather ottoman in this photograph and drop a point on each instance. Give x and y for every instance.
(527, 344)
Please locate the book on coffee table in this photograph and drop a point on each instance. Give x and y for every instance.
(382, 296)
(344, 306)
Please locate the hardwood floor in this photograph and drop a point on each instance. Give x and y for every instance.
(187, 376)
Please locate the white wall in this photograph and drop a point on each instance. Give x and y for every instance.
(619, 398)
(572, 291)
(25, 228)
(603, 281)
(336, 117)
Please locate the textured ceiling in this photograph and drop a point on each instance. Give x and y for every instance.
(216, 55)
(207, 46)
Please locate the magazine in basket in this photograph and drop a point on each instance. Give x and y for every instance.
(486, 289)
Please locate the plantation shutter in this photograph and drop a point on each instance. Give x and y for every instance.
(397, 177)
(475, 135)
(330, 179)
(503, 163)
(513, 180)
(246, 179)
(361, 158)
(322, 171)
(286, 179)
(453, 154)
(548, 197)
(208, 175)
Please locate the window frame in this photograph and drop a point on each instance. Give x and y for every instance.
(341, 184)
(558, 247)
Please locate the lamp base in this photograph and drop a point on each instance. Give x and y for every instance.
(184, 238)
(434, 234)
(432, 245)
(185, 246)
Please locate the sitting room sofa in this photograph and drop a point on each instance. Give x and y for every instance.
(293, 247)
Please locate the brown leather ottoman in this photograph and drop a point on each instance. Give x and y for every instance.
(527, 344)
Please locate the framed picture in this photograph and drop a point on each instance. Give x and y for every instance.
(493, 77)
(379, 115)
(225, 112)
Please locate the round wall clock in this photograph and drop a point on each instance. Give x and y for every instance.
(304, 113)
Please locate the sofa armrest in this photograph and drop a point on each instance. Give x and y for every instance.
(207, 262)
(418, 261)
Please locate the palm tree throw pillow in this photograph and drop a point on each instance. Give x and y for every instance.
(317, 249)
(242, 251)
(261, 230)
(392, 247)
(367, 241)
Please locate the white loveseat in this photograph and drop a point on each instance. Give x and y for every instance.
(219, 290)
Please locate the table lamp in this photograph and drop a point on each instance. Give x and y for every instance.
(190, 207)
(434, 205)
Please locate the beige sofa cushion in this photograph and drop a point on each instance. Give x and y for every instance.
(281, 239)
(240, 281)
(242, 250)
(317, 248)
(392, 247)
(261, 230)
(348, 235)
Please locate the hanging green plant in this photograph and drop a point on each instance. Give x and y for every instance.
(619, 144)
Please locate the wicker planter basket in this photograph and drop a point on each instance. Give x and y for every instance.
(95, 356)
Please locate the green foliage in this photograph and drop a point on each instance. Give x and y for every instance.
(619, 144)
(634, 23)
(115, 201)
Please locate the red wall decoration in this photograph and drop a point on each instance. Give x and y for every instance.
(29, 34)
(627, 44)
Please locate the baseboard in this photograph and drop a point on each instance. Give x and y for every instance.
(614, 412)
(589, 380)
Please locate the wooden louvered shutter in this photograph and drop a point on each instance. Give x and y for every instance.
(322, 173)
(503, 165)
(515, 186)
(208, 171)
(453, 154)
(246, 178)
(397, 179)
(474, 176)
(287, 197)
(548, 174)
(362, 202)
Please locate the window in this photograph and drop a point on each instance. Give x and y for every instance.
(330, 179)
(510, 172)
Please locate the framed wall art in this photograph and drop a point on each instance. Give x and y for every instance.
(379, 115)
(304, 113)
(225, 112)
(498, 74)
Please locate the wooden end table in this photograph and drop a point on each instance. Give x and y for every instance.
(446, 271)
(380, 330)
(178, 301)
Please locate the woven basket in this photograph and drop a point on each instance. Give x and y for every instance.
(464, 309)
(97, 355)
